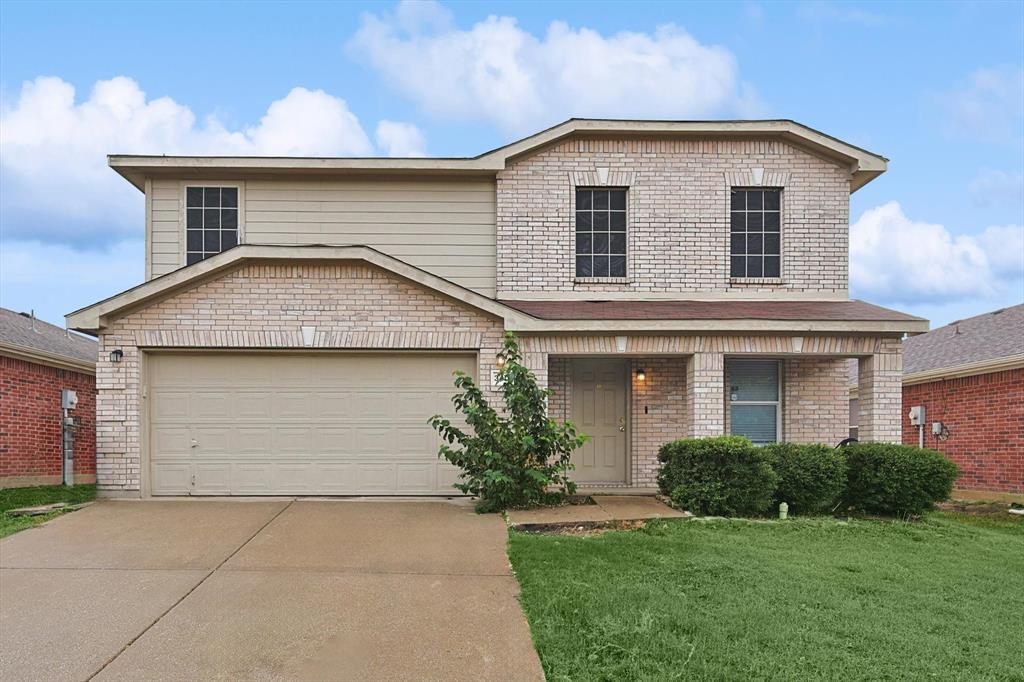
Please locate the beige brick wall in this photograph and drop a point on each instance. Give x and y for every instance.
(880, 392)
(265, 306)
(658, 413)
(678, 215)
(815, 400)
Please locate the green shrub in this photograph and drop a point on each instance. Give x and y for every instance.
(884, 478)
(726, 476)
(513, 459)
(812, 478)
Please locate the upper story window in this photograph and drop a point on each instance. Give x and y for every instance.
(600, 232)
(211, 221)
(755, 231)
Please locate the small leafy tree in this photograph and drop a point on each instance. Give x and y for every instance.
(513, 459)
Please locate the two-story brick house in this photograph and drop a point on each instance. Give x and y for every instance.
(302, 317)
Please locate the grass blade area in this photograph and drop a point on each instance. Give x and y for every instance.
(15, 498)
(806, 599)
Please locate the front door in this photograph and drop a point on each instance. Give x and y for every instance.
(599, 411)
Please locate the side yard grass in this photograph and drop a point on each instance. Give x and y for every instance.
(15, 498)
(804, 599)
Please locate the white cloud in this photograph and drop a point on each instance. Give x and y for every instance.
(57, 187)
(400, 139)
(896, 259)
(496, 71)
(989, 106)
(994, 186)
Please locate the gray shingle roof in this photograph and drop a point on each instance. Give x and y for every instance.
(990, 336)
(23, 332)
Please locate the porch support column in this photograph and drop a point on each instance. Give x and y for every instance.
(705, 390)
(537, 363)
(880, 390)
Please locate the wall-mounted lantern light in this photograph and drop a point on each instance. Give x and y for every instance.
(641, 375)
(501, 360)
(116, 355)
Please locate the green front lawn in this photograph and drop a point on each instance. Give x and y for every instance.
(805, 599)
(15, 498)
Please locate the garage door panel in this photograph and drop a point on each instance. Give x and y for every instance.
(253, 479)
(211, 479)
(211, 405)
(213, 440)
(327, 423)
(170, 404)
(172, 440)
(172, 478)
(415, 478)
(373, 405)
(332, 440)
(292, 405)
(335, 479)
(369, 441)
(292, 440)
(332, 404)
(253, 404)
(376, 478)
(253, 440)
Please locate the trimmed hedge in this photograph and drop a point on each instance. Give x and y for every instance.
(730, 476)
(812, 478)
(726, 476)
(883, 478)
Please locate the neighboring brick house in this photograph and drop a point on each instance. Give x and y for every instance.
(37, 361)
(301, 318)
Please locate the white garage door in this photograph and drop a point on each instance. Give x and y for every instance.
(299, 424)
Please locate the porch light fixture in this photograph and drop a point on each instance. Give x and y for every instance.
(116, 355)
(641, 375)
(501, 360)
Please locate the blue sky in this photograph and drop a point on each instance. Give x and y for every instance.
(935, 87)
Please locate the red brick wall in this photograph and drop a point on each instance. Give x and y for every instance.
(30, 441)
(985, 418)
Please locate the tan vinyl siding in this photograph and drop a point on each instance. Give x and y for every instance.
(165, 221)
(444, 226)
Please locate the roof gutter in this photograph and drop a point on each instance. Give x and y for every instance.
(42, 357)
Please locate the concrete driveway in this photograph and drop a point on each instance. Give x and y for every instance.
(262, 590)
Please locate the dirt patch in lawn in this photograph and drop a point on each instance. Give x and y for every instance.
(580, 529)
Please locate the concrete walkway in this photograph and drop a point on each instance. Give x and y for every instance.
(605, 509)
(280, 589)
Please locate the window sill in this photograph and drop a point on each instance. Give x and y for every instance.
(603, 280)
(741, 281)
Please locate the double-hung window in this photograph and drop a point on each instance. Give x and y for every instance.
(754, 399)
(211, 221)
(755, 233)
(600, 232)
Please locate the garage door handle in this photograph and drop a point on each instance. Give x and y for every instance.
(194, 442)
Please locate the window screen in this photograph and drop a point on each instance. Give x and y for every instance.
(754, 399)
(211, 221)
(600, 232)
(755, 233)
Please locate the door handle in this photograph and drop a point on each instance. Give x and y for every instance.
(622, 424)
(194, 443)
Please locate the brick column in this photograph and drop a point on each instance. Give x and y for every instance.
(705, 390)
(880, 390)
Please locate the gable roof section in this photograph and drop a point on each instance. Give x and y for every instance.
(96, 317)
(31, 339)
(524, 316)
(864, 165)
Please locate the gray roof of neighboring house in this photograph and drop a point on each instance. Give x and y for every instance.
(990, 336)
(22, 331)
